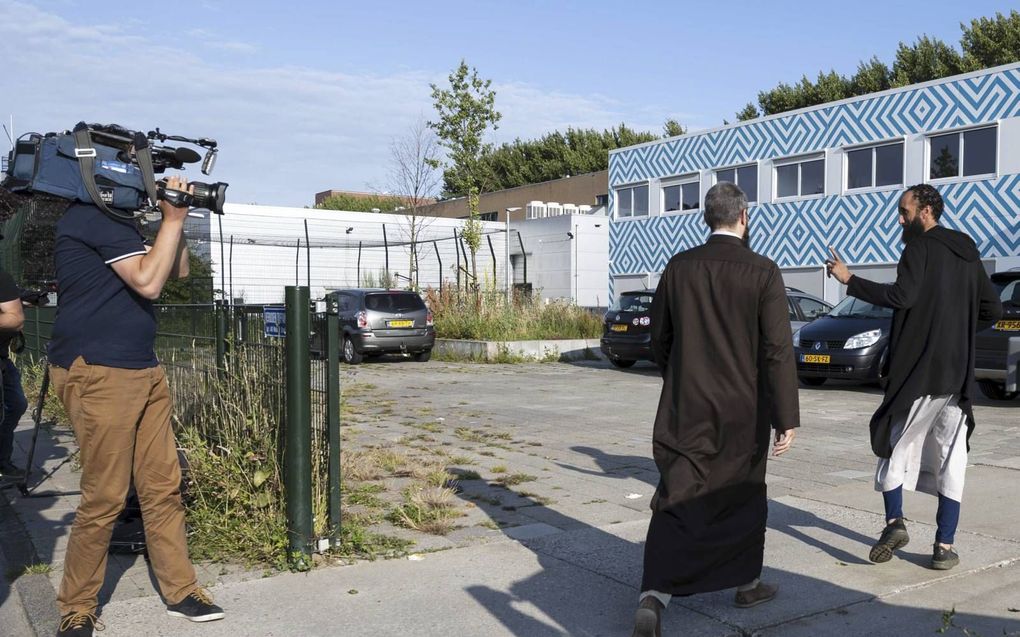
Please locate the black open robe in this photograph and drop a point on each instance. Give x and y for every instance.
(941, 298)
(721, 336)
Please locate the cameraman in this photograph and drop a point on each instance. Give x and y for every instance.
(105, 371)
(12, 318)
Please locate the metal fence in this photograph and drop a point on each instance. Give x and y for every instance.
(208, 350)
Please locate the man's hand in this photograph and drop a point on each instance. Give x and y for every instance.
(783, 441)
(837, 268)
(171, 213)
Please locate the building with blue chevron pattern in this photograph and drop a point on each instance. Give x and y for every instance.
(830, 175)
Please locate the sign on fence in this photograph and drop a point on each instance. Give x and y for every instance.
(275, 319)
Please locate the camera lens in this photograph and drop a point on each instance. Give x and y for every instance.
(211, 196)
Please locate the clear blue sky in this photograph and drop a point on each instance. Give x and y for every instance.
(306, 96)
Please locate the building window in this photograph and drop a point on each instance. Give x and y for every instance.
(682, 196)
(601, 200)
(875, 166)
(488, 216)
(802, 178)
(962, 154)
(746, 177)
(632, 201)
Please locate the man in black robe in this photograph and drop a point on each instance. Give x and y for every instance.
(941, 298)
(721, 337)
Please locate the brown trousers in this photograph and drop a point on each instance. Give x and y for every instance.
(121, 418)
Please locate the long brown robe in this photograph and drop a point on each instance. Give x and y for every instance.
(721, 336)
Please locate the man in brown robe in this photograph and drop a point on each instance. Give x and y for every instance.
(721, 337)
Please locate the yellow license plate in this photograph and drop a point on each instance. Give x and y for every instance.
(817, 358)
(1008, 326)
(400, 323)
(618, 327)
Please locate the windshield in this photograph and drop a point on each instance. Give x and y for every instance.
(852, 307)
(633, 303)
(1008, 291)
(394, 302)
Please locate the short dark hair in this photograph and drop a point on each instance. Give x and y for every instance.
(928, 195)
(723, 204)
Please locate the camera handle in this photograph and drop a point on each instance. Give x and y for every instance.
(85, 153)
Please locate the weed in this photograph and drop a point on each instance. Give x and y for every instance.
(500, 468)
(514, 479)
(38, 569)
(428, 509)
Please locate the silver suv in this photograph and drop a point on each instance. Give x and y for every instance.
(374, 322)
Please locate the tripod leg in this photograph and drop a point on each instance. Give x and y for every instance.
(37, 414)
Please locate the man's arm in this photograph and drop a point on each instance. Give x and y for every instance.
(662, 323)
(899, 295)
(989, 304)
(146, 274)
(12, 316)
(778, 365)
(182, 267)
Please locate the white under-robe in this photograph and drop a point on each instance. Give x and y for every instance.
(929, 449)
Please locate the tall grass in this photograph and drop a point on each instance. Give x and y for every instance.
(487, 316)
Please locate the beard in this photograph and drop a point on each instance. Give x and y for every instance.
(912, 230)
(747, 236)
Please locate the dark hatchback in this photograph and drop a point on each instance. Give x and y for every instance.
(850, 343)
(627, 336)
(374, 322)
(997, 355)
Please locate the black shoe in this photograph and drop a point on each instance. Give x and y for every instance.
(943, 559)
(196, 607)
(758, 595)
(8, 471)
(648, 619)
(79, 625)
(893, 537)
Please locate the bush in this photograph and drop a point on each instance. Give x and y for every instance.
(488, 317)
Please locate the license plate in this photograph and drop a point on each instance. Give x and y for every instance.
(618, 327)
(399, 323)
(815, 358)
(1008, 326)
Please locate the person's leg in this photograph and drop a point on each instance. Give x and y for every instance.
(948, 517)
(14, 406)
(893, 504)
(103, 405)
(157, 473)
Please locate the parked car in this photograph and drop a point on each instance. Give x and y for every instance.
(626, 336)
(374, 322)
(994, 345)
(850, 342)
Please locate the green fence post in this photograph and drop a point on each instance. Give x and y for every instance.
(333, 413)
(38, 335)
(297, 459)
(221, 338)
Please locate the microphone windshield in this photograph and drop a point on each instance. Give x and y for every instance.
(186, 155)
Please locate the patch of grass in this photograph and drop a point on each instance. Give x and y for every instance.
(500, 468)
(366, 495)
(357, 541)
(514, 479)
(490, 500)
(38, 569)
(428, 509)
(468, 475)
(536, 498)
(487, 454)
(488, 316)
(461, 460)
(431, 427)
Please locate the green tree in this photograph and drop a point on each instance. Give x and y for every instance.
(197, 287)
(673, 128)
(465, 112)
(748, 112)
(928, 59)
(871, 77)
(991, 42)
(362, 203)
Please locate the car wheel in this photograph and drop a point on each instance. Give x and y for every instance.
(422, 357)
(349, 353)
(621, 363)
(812, 381)
(996, 391)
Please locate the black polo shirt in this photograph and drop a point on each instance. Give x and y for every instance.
(9, 291)
(99, 317)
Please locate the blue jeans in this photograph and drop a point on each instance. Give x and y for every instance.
(15, 406)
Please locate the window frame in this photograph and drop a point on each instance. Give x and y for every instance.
(874, 166)
(960, 131)
(627, 186)
(735, 168)
(681, 181)
(799, 159)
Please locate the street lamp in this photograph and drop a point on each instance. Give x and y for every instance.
(507, 242)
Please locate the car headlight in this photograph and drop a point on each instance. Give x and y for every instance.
(866, 339)
(796, 338)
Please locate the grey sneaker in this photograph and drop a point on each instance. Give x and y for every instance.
(943, 559)
(196, 607)
(758, 595)
(893, 537)
(648, 619)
